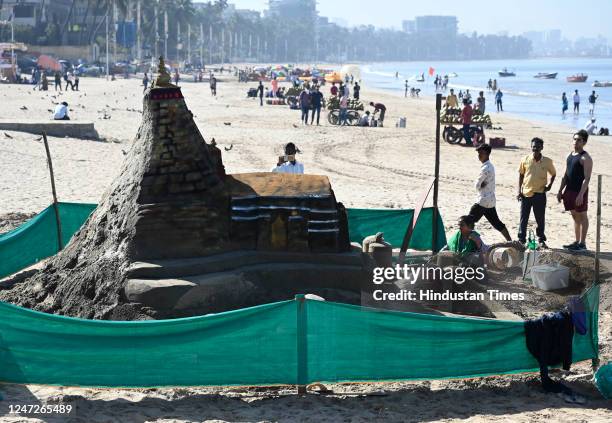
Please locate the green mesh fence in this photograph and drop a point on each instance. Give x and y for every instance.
(290, 342)
(394, 223)
(37, 239)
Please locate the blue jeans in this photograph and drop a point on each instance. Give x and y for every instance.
(305, 114)
(343, 116)
(466, 134)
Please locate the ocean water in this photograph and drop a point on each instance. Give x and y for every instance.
(524, 95)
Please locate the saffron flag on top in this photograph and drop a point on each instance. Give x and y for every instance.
(431, 71)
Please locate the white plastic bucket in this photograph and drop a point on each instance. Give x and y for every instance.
(549, 277)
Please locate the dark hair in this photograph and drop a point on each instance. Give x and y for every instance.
(465, 101)
(468, 219)
(537, 140)
(484, 147)
(371, 103)
(64, 103)
(583, 134)
(290, 148)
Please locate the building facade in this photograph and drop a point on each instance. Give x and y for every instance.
(32, 12)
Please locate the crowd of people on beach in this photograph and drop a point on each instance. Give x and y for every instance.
(308, 97)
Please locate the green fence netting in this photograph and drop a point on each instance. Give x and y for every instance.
(394, 223)
(290, 342)
(37, 239)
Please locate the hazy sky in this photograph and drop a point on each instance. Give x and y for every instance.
(586, 18)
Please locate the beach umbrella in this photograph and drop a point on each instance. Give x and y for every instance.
(333, 77)
(48, 62)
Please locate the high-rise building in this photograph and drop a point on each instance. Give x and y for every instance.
(409, 26)
(292, 9)
(31, 12)
(437, 25)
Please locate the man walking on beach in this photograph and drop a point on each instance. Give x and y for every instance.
(498, 100)
(356, 89)
(260, 92)
(574, 190)
(304, 105)
(592, 99)
(466, 120)
(316, 101)
(406, 89)
(532, 188)
(576, 102)
(213, 85)
(485, 185)
(58, 81)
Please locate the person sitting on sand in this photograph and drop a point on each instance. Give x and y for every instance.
(61, 111)
(466, 243)
(379, 107)
(287, 163)
(590, 127)
(451, 100)
(365, 119)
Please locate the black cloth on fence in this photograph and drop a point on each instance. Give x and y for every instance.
(549, 339)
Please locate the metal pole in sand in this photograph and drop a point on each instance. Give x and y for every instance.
(60, 245)
(434, 229)
(107, 63)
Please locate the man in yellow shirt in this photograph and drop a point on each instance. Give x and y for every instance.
(451, 100)
(533, 186)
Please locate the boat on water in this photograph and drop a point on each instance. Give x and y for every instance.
(420, 79)
(546, 75)
(579, 77)
(505, 73)
(452, 75)
(602, 84)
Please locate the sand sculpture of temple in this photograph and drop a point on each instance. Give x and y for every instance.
(175, 235)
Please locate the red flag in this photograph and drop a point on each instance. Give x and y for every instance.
(431, 71)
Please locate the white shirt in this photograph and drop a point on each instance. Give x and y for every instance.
(486, 194)
(288, 167)
(576, 98)
(60, 112)
(590, 128)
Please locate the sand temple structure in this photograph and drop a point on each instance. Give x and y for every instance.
(176, 236)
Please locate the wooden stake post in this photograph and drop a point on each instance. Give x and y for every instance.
(60, 244)
(434, 229)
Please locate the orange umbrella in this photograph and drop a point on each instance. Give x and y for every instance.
(48, 62)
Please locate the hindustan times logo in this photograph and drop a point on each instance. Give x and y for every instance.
(415, 273)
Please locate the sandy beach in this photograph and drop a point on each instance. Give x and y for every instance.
(368, 167)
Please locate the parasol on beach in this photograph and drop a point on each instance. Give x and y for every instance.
(48, 62)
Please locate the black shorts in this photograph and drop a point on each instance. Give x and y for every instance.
(477, 211)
